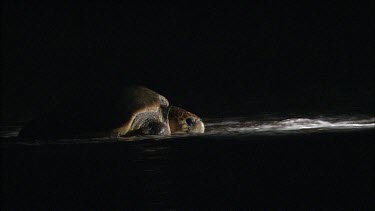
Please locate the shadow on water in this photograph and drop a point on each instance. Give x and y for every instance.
(298, 162)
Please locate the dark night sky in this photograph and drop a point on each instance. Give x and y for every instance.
(216, 60)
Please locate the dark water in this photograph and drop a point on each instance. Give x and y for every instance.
(239, 162)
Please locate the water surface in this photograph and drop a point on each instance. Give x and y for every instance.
(246, 126)
(272, 161)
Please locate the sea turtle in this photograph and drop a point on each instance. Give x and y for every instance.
(133, 110)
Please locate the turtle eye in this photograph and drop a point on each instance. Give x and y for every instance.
(190, 121)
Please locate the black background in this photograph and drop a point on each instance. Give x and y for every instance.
(215, 60)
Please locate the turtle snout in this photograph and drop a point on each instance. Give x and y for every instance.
(196, 125)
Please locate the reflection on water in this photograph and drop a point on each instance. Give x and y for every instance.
(247, 126)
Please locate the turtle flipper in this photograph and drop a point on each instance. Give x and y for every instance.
(151, 128)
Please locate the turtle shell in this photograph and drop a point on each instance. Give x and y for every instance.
(99, 114)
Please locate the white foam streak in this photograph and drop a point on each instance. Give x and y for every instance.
(289, 125)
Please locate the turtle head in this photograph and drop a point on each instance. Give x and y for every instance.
(182, 121)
